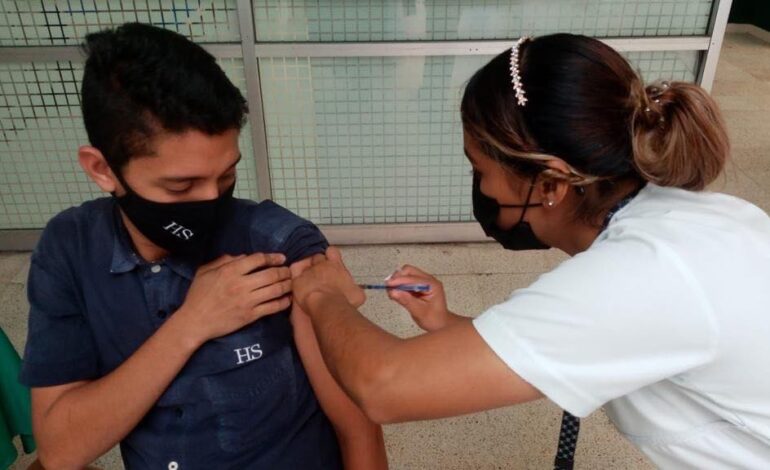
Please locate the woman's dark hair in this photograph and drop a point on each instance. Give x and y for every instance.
(588, 107)
(140, 80)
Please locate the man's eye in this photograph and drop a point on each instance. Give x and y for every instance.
(178, 190)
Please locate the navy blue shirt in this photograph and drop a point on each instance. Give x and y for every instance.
(241, 401)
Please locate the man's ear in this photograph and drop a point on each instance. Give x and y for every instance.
(552, 189)
(94, 164)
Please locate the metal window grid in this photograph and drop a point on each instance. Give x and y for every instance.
(347, 98)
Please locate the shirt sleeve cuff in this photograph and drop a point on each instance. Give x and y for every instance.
(304, 242)
(527, 364)
(45, 375)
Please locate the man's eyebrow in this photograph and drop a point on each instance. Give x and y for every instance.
(184, 179)
(178, 179)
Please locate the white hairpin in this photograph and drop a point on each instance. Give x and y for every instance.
(521, 97)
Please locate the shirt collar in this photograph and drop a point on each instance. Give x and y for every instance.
(618, 206)
(182, 267)
(124, 259)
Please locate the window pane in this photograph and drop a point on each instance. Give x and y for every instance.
(383, 20)
(66, 22)
(378, 139)
(41, 128)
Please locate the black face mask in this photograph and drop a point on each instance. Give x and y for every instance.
(181, 228)
(518, 237)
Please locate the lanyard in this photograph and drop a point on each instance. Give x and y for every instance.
(570, 424)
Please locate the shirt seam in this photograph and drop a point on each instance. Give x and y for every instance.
(689, 278)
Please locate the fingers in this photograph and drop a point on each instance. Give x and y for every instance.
(405, 299)
(255, 261)
(318, 259)
(358, 297)
(299, 267)
(267, 277)
(410, 270)
(396, 295)
(221, 261)
(271, 307)
(401, 280)
(333, 254)
(270, 293)
(435, 287)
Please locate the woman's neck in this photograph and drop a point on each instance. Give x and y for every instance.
(581, 237)
(581, 234)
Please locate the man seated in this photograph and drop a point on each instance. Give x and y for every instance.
(161, 317)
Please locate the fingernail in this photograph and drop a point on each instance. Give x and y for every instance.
(391, 275)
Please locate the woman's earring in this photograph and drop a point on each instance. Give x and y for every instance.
(549, 203)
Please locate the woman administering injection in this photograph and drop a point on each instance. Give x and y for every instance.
(661, 313)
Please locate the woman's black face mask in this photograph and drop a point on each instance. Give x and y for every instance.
(518, 237)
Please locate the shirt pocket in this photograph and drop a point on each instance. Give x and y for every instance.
(256, 405)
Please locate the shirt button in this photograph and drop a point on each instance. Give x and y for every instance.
(173, 465)
(155, 268)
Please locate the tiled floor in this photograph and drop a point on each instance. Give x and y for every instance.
(479, 275)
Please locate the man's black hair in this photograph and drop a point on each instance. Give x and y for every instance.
(140, 80)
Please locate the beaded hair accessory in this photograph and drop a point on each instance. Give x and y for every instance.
(521, 97)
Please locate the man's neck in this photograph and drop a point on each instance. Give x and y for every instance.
(146, 249)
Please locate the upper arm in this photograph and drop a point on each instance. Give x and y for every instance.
(304, 337)
(445, 373)
(335, 402)
(361, 440)
(330, 395)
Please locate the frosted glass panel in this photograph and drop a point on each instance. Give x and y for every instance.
(666, 65)
(60, 22)
(368, 140)
(351, 140)
(378, 139)
(384, 20)
(41, 128)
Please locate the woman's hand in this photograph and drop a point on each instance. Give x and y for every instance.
(428, 309)
(327, 276)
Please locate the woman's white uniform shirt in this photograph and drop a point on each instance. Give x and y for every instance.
(665, 321)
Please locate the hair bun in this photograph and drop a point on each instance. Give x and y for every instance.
(679, 138)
